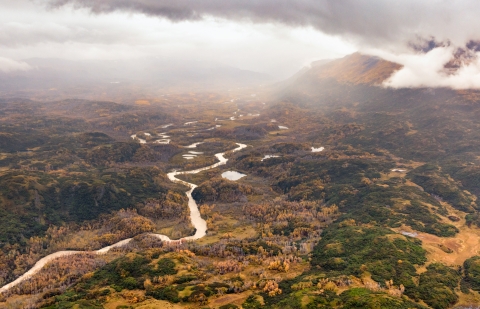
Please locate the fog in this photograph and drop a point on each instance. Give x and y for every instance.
(150, 48)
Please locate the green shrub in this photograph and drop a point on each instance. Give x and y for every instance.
(251, 303)
(130, 283)
(436, 286)
(165, 266)
(168, 293)
(472, 272)
(347, 249)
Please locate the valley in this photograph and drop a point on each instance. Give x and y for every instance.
(325, 191)
(198, 223)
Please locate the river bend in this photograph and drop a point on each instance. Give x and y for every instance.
(197, 221)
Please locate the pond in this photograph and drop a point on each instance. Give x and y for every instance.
(269, 156)
(194, 145)
(317, 149)
(232, 175)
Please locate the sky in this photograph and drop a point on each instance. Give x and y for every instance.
(31, 29)
(277, 37)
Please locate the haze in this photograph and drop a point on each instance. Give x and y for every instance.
(156, 45)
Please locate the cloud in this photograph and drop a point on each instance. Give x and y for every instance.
(431, 70)
(426, 37)
(27, 33)
(374, 23)
(15, 33)
(29, 29)
(9, 65)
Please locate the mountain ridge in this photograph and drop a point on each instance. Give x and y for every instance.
(355, 69)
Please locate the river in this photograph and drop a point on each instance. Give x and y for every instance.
(197, 221)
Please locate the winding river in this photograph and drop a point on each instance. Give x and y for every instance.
(197, 221)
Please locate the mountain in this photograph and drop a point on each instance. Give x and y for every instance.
(424, 124)
(354, 69)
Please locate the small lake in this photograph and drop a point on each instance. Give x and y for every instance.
(194, 145)
(232, 175)
(162, 141)
(269, 156)
(413, 234)
(317, 149)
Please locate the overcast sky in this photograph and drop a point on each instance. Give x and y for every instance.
(31, 29)
(277, 37)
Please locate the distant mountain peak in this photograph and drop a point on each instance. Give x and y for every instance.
(356, 68)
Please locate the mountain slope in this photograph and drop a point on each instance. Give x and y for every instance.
(354, 69)
(439, 126)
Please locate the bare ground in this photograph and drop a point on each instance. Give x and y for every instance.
(464, 245)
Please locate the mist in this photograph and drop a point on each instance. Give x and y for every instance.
(250, 42)
(123, 80)
(9, 65)
(404, 31)
(35, 30)
(373, 23)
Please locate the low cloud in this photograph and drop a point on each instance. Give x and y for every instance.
(425, 37)
(9, 65)
(374, 23)
(433, 69)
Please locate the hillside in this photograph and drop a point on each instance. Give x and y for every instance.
(356, 69)
(435, 125)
